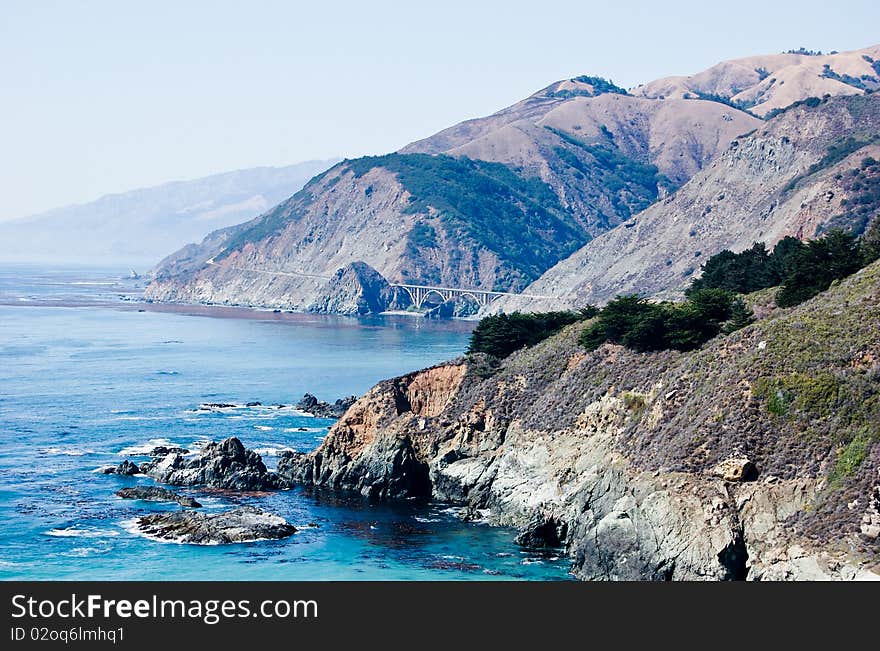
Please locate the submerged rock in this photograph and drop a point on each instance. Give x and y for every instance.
(227, 464)
(244, 524)
(126, 468)
(156, 494)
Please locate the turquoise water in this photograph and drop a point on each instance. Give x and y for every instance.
(87, 386)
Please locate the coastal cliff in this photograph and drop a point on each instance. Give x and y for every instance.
(754, 457)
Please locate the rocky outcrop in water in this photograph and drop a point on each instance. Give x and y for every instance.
(126, 468)
(227, 464)
(156, 494)
(244, 524)
(321, 409)
(165, 450)
(750, 458)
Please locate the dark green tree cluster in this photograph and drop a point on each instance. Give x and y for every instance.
(817, 264)
(802, 268)
(753, 269)
(502, 334)
(643, 325)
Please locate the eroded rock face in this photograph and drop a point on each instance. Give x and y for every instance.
(227, 464)
(391, 465)
(156, 494)
(244, 524)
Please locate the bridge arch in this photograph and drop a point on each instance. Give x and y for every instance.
(444, 296)
(479, 300)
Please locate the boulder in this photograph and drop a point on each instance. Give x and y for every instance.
(736, 469)
(164, 450)
(126, 468)
(156, 494)
(243, 524)
(227, 464)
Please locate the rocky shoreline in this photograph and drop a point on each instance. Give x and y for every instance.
(661, 466)
(226, 465)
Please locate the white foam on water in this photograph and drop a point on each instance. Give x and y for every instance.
(68, 452)
(264, 428)
(82, 552)
(197, 445)
(418, 518)
(273, 451)
(75, 532)
(143, 449)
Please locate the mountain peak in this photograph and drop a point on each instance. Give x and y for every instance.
(580, 86)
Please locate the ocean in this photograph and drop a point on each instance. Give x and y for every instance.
(90, 376)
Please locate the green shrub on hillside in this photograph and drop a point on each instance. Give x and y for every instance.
(819, 263)
(644, 326)
(802, 268)
(502, 334)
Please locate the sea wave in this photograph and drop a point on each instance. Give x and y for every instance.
(266, 411)
(68, 452)
(76, 532)
(82, 552)
(273, 450)
(143, 449)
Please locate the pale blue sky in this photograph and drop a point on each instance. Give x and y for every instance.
(99, 97)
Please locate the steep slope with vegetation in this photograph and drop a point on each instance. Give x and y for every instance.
(491, 203)
(807, 170)
(754, 456)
